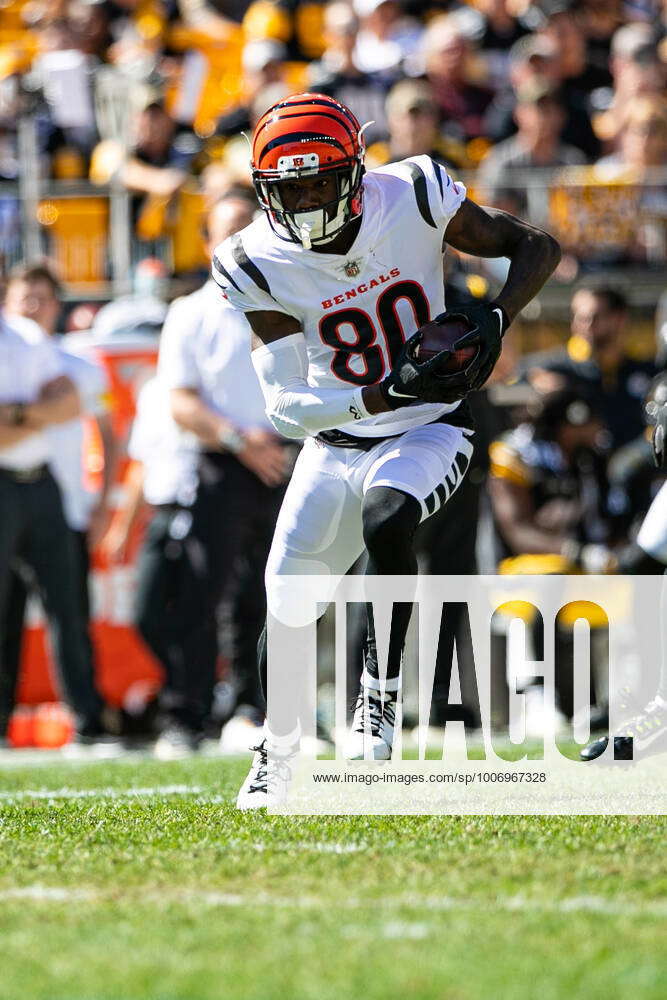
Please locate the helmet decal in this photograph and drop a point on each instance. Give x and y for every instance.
(308, 135)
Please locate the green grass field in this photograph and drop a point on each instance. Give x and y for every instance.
(168, 893)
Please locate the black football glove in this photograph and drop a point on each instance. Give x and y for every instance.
(489, 321)
(660, 436)
(412, 381)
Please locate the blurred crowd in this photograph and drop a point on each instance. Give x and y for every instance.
(155, 95)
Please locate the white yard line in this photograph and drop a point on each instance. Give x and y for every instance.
(45, 894)
(156, 791)
(433, 904)
(325, 847)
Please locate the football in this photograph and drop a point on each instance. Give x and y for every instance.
(441, 336)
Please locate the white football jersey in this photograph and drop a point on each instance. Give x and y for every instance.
(356, 310)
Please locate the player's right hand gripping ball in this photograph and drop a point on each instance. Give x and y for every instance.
(488, 322)
(447, 358)
(416, 380)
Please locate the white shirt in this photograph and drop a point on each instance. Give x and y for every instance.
(168, 455)
(205, 345)
(356, 310)
(28, 360)
(376, 55)
(67, 440)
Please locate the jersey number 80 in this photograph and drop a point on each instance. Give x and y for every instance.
(365, 347)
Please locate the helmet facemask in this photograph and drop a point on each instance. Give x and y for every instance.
(322, 224)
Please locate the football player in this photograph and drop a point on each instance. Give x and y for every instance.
(335, 278)
(645, 733)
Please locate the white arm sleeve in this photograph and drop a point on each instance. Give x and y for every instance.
(295, 408)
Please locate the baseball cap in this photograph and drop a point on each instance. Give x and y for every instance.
(538, 15)
(531, 47)
(633, 41)
(410, 95)
(536, 90)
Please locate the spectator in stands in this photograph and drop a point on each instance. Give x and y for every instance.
(205, 362)
(549, 497)
(63, 72)
(596, 362)
(91, 22)
(640, 154)
(414, 128)
(633, 50)
(641, 138)
(385, 38)
(36, 394)
(447, 50)
(338, 75)
(262, 67)
(162, 154)
(599, 20)
(11, 106)
(534, 57)
(539, 116)
(579, 74)
(500, 30)
(637, 71)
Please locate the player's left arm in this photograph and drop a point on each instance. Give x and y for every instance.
(489, 232)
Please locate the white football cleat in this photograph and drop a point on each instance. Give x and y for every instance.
(269, 778)
(371, 736)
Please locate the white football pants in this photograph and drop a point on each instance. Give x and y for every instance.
(319, 528)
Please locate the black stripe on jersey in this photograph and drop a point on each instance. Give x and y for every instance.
(244, 262)
(300, 137)
(438, 177)
(217, 264)
(421, 193)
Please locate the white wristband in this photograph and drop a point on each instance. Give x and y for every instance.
(357, 407)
